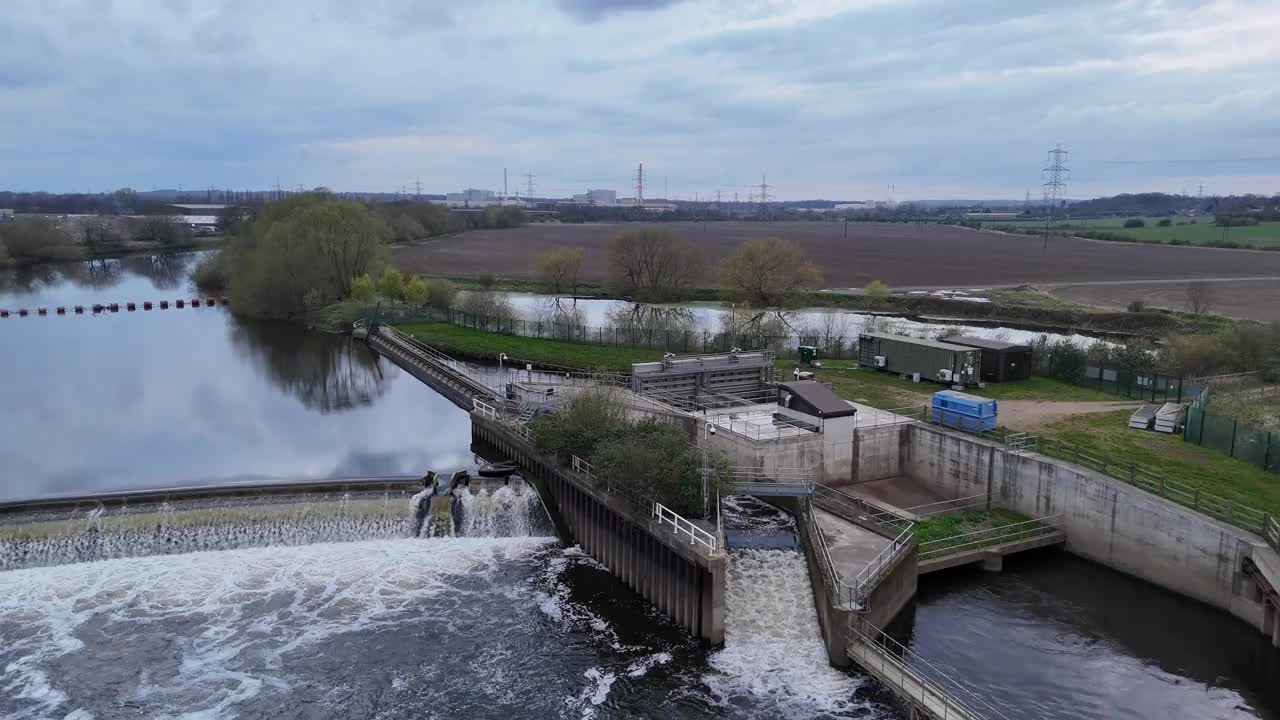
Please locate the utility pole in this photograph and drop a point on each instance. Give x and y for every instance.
(640, 184)
(1055, 182)
(504, 184)
(665, 196)
(528, 187)
(764, 190)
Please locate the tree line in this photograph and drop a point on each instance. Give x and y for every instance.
(40, 239)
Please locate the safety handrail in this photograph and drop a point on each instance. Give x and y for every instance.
(484, 409)
(582, 466)
(886, 559)
(989, 536)
(1271, 531)
(950, 698)
(681, 525)
(946, 506)
(860, 511)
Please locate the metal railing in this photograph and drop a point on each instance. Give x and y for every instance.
(1184, 494)
(763, 428)
(679, 525)
(917, 679)
(484, 409)
(987, 537)
(582, 466)
(861, 512)
(946, 506)
(1271, 531)
(893, 416)
(884, 561)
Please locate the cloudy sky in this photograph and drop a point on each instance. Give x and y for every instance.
(829, 98)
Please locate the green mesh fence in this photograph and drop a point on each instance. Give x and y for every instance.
(1230, 437)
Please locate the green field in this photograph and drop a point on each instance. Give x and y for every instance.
(482, 345)
(1108, 436)
(886, 390)
(1203, 232)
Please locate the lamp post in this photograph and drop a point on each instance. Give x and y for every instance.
(707, 431)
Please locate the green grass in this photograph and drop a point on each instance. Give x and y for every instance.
(1043, 388)
(1108, 436)
(1203, 232)
(886, 390)
(487, 346)
(949, 525)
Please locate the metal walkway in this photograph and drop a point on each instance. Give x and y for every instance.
(447, 375)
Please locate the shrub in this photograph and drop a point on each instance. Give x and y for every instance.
(1135, 223)
(486, 280)
(876, 291)
(1165, 222)
(415, 291)
(1136, 306)
(363, 289)
(441, 293)
(488, 310)
(391, 284)
(208, 275)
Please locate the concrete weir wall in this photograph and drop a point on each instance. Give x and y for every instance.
(1105, 520)
(686, 584)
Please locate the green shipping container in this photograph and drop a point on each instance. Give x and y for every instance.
(935, 360)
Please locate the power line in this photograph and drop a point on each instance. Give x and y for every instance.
(764, 190)
(528, 185)
(1055, 181)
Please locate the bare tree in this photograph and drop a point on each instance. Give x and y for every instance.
(1199, 298)
(769, 272)
(653, 264)
(560, 269)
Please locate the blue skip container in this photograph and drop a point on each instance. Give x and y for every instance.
(963, 411)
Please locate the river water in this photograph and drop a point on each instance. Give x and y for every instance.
(514, 626)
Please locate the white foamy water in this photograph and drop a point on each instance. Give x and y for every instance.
(200, 634)
(508, 511)
(773, 651)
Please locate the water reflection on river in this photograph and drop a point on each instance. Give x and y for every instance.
(1060, 638)
(195, 396)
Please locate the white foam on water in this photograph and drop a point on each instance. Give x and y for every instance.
(555, 602)
(644, 665)
(246, 610)
(507, 511)
(773, 651)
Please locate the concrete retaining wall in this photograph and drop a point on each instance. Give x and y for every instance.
(1106, 520)
(877, 453)
(833, 617)
(686, 584)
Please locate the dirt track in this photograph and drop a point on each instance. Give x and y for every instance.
(897, 254)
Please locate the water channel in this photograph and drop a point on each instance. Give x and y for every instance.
(487, 627)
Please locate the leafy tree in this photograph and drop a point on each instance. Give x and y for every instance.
(1135, 223)
(364, 289)
(486, 280)
(1164, 222)
(559, 269)
(391, 284)
(876, 291)
(415, 291)
(653, 264)
(441, 293)
(768, 272)
(303, 250)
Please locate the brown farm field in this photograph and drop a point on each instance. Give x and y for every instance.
(897, 254)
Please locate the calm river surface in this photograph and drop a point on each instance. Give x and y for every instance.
(514, 627)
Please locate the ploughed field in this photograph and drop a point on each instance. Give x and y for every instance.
(898, 254)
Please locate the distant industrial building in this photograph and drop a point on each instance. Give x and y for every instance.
(992, 216)
(477, 198)
(604, 198)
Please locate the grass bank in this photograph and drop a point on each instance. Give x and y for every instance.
(1108, 436)
(480, 345)
(886, 390)
(949, 525)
